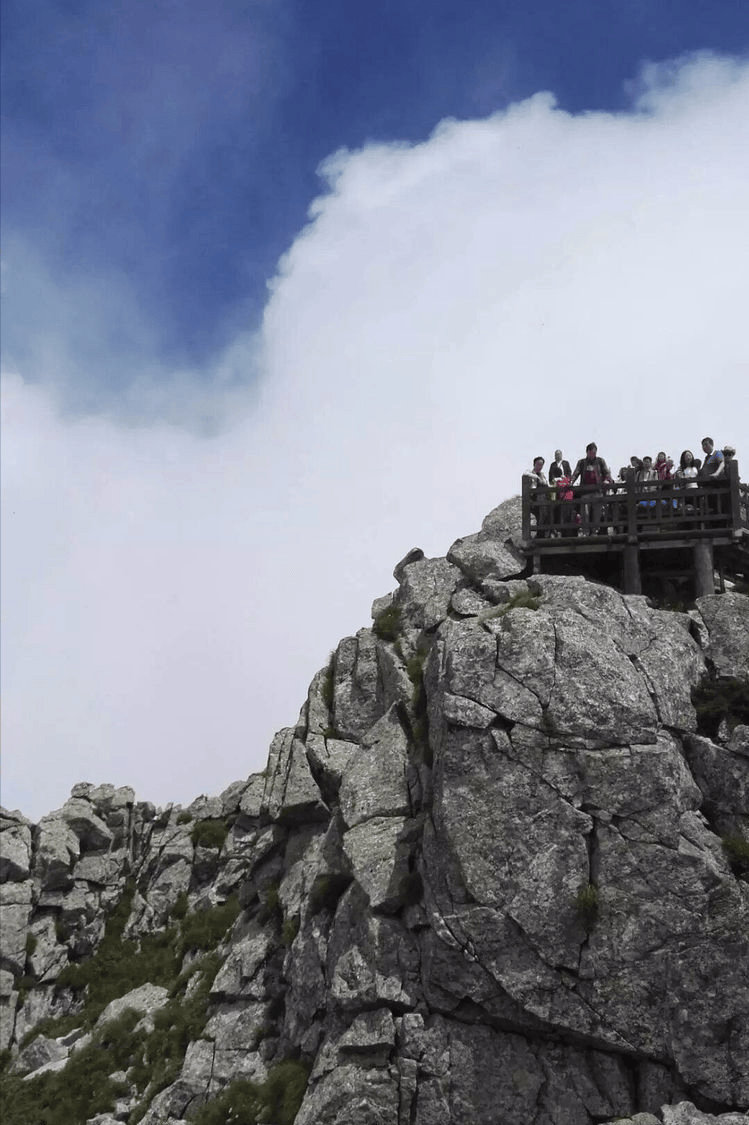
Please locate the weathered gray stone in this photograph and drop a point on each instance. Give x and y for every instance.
(15, 848)
(39, 1053)
(726, 618)
(371, 1033)
(291, 793)
(237, 977)
(483, 557)
(723, 778)
(57, 849)
(328, 757)
(685, 1113)
(252, 798)
(435, 963)
(379, 859)
(358, 700)
(144, 1000)
(48, 957)
(468, 602)
(351, 1094)
(374, 780)
(425, 592)
(15, 910)
(8, 1001)
(90, 829)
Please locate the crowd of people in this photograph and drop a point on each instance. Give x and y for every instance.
(592, 475)
(593, 470)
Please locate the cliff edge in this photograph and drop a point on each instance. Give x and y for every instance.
(496, 872)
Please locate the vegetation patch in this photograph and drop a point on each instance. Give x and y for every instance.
(84, 1088)
(118, 965)
(326, 892)
(180, 1022)
(246, 1103)
(587, 906)
(184, 817)
(420, 722)
(209, 833)
(327, 688)
(271, 909)
(179, 910)
(737, 853)
(290, 930)
(719, 698)
(387, 624)
(204, 929)
(31, 944)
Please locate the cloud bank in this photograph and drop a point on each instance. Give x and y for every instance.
(452, 308)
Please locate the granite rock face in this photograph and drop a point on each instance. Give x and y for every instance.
(482, 879)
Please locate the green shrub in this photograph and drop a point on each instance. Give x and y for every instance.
(180, 1022)
(326, 891)
(523, 600)
(327, 689)
(271, 909)
(204, 929)
(184, 817)
(725, 697)
(587, 906)
(84, 1088)
(31, 944)
(387, 624)
(246, 1103)
(737, 853)
(290, 930)
(179, 910)
(209, 833)
(283, 1091)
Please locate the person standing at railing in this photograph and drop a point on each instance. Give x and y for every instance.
(712, 472)
(713, 467)
(688, 470)
(559, 470)
(593, 474)
(538, 479)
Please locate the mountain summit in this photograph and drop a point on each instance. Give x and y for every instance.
(495, 873)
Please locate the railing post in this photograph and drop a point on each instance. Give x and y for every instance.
(631, 580)
(629, 478)
(526, 509)
(704, 577)
(733, 492)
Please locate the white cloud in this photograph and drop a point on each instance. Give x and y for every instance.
(453, 308)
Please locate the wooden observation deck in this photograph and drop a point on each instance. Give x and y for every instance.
(656, 537)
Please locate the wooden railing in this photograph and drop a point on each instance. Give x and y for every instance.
(631, 511)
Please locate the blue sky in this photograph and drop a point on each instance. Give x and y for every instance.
(170, 149)
(289, 289)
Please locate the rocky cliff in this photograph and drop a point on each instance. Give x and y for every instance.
(496, 873)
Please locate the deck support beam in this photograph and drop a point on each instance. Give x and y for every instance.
(704, 577)
(631, 580)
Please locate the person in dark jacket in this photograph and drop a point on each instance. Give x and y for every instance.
(593, 474)
(559, 470)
